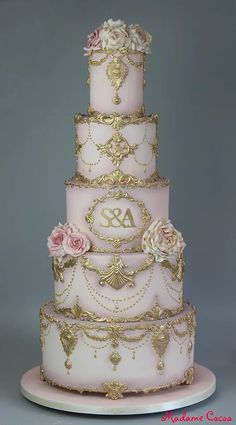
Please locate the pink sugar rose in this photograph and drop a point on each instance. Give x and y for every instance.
(76, 244)
(69, 228)
(55, 241)
(93, 41)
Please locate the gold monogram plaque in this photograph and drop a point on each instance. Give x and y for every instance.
(131, 215)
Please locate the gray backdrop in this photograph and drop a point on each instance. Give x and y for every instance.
(191, 83)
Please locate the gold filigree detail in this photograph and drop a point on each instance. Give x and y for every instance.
(177, 269)
(58, 267)
(189, 376)
(117, 72)
(116, 121)
(41, 374)
(115, 359)
(119, 53)
(117, 242)
(114, 390)
(116, 276)
(133, 250)
(68, 337)
(160, 340)
(117, 148)
(156, 313)
(117, 178)
(116, 333)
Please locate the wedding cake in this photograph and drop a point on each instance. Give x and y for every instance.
(118, 323)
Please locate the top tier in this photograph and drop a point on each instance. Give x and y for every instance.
(116, 59)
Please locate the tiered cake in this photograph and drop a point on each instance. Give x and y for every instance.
(118, 323)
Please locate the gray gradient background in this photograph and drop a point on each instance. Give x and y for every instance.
(191, 83)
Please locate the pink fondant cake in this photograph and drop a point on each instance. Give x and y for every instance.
(118, 323)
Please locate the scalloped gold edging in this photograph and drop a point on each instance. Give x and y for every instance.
(115, 390)
(117, 178)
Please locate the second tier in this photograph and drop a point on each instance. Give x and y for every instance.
(119, 287)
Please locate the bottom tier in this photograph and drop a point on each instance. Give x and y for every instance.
(117, 358)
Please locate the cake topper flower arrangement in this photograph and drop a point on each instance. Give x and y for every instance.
(162, 240)
(116, 35)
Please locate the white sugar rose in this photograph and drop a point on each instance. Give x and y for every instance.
(109, 24)
(114, 35)
(139, 39)
(162, 240)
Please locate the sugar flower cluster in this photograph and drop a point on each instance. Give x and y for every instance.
(66, 240)
(162, 240)
(114, 35)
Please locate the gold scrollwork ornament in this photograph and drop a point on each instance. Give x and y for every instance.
(117, 148)
(115, 359)
(116, 276)
(68, 338)
(117, 72)
(160, 340)
(58, 267)
(177, 269)
(114, 390)
(189, 376)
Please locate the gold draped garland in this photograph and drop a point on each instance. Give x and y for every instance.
(115, 275)
(155, 313)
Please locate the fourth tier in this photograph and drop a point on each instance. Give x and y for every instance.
(105, 143)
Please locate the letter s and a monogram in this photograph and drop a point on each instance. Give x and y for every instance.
(114, 217)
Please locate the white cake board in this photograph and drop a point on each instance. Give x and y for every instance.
(40, 392)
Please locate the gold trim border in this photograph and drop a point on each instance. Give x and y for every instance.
(187, 379)
(115, 120)
(148, 325)
(117, 179)
(155, 313)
